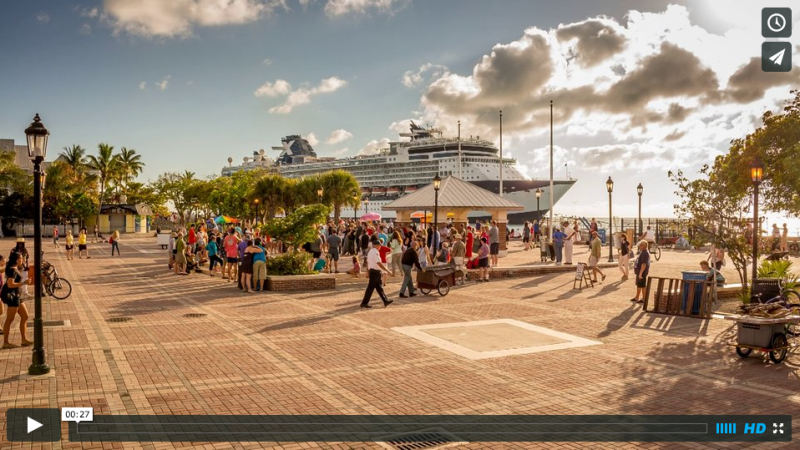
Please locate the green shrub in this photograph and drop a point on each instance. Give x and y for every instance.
(778, 269)
(291, 263)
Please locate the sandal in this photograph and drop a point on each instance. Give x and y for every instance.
(26, 343)
(10, 345)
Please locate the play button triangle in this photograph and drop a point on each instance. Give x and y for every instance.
(33, 425)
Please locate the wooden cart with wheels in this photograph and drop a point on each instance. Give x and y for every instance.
(765, 334)
(440, 278)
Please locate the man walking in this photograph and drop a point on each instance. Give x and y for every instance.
(594, 257)
(409, 261)
(494, 242)
(459, 250)
(375, 267)
(568, 241)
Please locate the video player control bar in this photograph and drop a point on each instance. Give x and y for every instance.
(775, 428)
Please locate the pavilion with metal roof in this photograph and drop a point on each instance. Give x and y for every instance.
(458, 197)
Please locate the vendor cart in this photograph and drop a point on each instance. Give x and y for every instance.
(439, 277)
(765, 334)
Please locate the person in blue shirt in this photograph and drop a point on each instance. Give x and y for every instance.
(558, 243)
(259, 266)
(213, 254)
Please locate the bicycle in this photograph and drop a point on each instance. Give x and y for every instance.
(787, 298)
(55, 286)
(654, 250)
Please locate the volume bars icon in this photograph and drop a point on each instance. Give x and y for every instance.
(726, 428)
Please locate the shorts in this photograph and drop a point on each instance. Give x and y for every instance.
(494, 248)
(81, 247)
(526, 239)
(592, 261)
(335, 255)
(69, 247)
(180, 258)
(232, 260)
(259, 271)
(13, 302)
(641, 282)
(483, 262)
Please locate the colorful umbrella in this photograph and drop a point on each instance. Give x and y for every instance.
(420, 214)
(226, 219)
(371, 216)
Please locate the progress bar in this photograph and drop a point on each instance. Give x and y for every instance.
(462, 428)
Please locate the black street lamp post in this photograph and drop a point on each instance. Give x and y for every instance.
(366, 205)
(37, 136)
(437, 182)
(256, 201)
(538, 197)
(639, 190)
(319, 194)
(756, 173)
(610, 188)
(355, 206)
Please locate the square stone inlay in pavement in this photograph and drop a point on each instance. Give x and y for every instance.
(493, 338)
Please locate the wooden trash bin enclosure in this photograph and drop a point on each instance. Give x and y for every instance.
(677, 297)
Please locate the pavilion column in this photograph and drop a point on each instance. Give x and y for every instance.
(502, 224)
(403, 219)
(460, 218)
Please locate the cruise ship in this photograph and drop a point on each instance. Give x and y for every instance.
(408, 165)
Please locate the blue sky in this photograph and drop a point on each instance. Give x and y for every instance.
(178, 81)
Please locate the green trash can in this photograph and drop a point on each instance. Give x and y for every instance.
(693, 275)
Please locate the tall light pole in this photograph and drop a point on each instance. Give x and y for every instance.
(366, 205)
(551, 166)
(459, 151)
(756, 173)
(639, 190)
(37, 136)
(256, 201)
(538, 197)
(501, 153)
(356, 201)
(319, 194)
(437, 182)
(610, 188)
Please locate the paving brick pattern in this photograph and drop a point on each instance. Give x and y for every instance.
(318, 353)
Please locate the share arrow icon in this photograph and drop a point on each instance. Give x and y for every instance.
(777, 58)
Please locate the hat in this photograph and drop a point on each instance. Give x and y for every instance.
(174, 234)
(456, 236)
(20, 240)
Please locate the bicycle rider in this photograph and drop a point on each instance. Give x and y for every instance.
(649, 236)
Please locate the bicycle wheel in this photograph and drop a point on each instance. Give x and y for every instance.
(657, 253)
(60, 288)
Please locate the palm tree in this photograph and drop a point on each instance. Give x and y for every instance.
(130, 165)
(271, 189)
(75, 157)
(339, 188)
(104, 165)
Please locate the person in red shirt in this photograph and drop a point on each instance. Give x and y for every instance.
(384, 251)
(469, 243)
(192, 240)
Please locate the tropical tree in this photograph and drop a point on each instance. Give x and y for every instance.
(298, 227)
(75, 157)
(174, 186)
(104, 165)
(130, 165)
(272, 189)
(339, 188)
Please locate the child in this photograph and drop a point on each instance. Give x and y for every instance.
(356, 270)
(712, 273)
(319, 266)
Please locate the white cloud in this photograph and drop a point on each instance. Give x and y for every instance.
(657, 78)
(85, 29)
(374, 146)
(164, 83)
(300, 96)
(43, 17)
(143, 86)
(90, 13)
(415, 78)
(266, 62)
(336, 8)
(177, 18)
(338, 136)
(268, 89)
(312, 139)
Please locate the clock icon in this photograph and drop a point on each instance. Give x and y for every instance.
(776, 22)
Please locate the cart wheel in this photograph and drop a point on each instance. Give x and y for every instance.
(425, 291)
(743, 352)
(443, 288)
(777, 356)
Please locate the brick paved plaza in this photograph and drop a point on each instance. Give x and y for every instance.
(318, 353)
